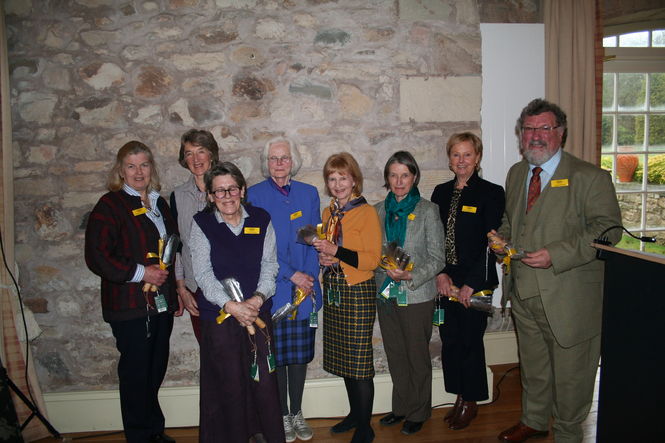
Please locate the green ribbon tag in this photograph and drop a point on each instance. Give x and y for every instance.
(437, 319)
(254, 370)
(271, 364)
(314, 320)
(402, 299)
(160, 303)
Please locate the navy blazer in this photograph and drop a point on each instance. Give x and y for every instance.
(480, 209)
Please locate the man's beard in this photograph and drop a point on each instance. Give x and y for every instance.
(539, 156)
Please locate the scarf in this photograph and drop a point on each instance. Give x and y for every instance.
(397, 214)
(334, 225)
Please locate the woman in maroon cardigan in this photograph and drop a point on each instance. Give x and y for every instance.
(123, 228)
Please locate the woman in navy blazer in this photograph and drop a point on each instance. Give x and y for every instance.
(469, 207)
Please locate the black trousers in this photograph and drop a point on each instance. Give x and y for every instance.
(463, 351)
(141, 370)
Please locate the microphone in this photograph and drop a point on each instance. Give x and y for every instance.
(603, 240)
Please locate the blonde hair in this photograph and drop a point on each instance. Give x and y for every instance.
(115, 180)
(466, 137)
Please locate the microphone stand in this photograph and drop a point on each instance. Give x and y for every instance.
(35, 411)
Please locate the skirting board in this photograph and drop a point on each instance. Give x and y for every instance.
(100, 410)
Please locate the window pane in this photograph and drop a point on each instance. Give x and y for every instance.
(657, 91)
(657, 38)
(627, 167)
(659, 246)
(610, 42)
(606, 162)
(655, 172)
(656, 209)
(608, 91)
(634, 40)
(657, 133)
(630, 131)
(631, 91)
(606, 135)
(631, 214)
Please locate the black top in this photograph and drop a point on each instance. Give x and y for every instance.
(480, 210)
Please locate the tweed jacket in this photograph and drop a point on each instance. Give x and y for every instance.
(573, 209)
(116, 240)
(424, 242)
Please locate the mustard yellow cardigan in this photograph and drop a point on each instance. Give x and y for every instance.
(361, 232)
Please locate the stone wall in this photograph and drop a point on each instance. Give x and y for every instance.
(631, 214)
(365, 76)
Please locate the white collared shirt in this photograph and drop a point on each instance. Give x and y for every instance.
(155, 217)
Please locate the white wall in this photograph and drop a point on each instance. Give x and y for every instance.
(513, 74)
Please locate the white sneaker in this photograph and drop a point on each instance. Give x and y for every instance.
(289, 433)
(302, 429)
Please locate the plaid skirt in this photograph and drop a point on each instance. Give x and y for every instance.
(294, 342)
(348, 328)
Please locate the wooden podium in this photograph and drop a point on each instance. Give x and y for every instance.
(630, 398)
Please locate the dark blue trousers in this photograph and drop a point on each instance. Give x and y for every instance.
(141, 370)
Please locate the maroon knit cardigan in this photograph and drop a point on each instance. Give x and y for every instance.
(115, 241)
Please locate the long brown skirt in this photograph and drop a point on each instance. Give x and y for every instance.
(233, 406)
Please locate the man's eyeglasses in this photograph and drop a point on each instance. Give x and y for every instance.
(541, 129)
(220, 193)
(282, 159)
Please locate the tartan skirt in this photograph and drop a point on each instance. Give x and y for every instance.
(294, 342)
(348, 328)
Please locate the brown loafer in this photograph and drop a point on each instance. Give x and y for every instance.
(521, 432)
(466, 413)
(453, 411)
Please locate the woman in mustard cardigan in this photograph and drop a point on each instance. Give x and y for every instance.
(350, 253)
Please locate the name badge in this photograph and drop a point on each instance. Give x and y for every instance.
(139, 211)
(296, 215)
(411, 217)
(471, 209)
(559, 183)
(249, 230)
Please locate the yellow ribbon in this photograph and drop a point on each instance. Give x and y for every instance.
(160, 250)
(300, 296)
(389, 263)
(477, 294)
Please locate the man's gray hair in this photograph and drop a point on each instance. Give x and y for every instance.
(296, 159)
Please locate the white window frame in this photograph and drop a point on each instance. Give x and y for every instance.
(635, 60)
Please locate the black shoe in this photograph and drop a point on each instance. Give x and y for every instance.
(161, 437)
(391, 419)
(363, 435)
(344, 426)
(411, 427)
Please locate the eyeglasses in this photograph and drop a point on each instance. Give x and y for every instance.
(541, 129)
(282, 159)
(220, 193)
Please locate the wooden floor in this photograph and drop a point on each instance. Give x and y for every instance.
(492, 419)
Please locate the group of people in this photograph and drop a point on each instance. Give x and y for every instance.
(242, 258)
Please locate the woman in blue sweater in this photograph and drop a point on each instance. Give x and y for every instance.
(291, 205)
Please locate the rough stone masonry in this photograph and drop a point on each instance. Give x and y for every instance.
(366, 76)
